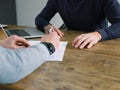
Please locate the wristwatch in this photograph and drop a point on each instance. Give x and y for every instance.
(49, 46)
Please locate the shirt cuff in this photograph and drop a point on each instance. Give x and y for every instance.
(103, 34)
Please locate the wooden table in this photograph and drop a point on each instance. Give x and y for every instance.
(97, 68)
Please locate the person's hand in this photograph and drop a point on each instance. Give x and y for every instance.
(14, 42)
(49, 28)
(52, 38)
(86, 40)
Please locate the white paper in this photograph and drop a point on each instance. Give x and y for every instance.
(58, 54)
(4, 25)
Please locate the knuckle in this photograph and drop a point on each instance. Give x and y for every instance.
(14, 36)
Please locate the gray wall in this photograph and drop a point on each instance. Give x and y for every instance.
(8, 12)
(27, 10)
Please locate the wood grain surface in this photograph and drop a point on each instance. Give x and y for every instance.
(97, 68)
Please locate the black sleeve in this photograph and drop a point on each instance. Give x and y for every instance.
(112, 13)
(46, 15)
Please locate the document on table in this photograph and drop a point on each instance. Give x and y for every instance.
(4, 25)
(58, 54)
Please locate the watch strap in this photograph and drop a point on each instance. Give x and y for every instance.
(49, 46)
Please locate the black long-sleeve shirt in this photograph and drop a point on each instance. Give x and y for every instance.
(87, 15)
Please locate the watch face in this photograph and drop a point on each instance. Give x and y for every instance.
(51, 48)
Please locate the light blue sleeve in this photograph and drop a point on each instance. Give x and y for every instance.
(16, 64)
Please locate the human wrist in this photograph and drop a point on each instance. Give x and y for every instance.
(49, 46)
(48, 27)
(98, 35)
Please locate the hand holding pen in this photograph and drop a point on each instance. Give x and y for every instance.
(14, 42)
(49, 28)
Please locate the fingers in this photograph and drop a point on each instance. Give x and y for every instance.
(77, 41)
(50, 28)
(58, 31)
(49, 37)
(22, 42)
(85, 40)
(90, 44)
(17, 47)
(17, 42)
(87, 43)
(84, 43)
(52, 38)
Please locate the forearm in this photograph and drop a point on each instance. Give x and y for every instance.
(111, 32)
(112, 12)
(46, 14)
(17, 64)
(41, 22)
